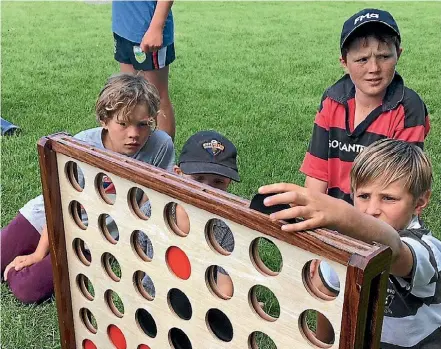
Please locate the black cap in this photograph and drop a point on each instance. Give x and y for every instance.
(368, 15)
(209, 152)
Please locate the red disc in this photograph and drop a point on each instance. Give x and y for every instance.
(88, 344)
(178, 262)
(116, 337)
(143, 346)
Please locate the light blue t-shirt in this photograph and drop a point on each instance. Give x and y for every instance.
(131, 19)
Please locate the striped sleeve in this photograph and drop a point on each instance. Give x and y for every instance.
(315, 163)
(425, 279)
(415, 124)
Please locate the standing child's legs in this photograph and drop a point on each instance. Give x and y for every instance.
(31, 284)
(155, 68)
(166, 120)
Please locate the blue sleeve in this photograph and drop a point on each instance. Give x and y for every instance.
(165, 158)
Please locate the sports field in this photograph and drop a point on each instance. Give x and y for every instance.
(254, 71)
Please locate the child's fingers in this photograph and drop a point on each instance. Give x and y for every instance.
(290, 213)
(22, 262)
(278, 188)
(300, 226)
(5, 274)
(290, 197)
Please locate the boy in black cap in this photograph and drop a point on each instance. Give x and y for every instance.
(209, 158)
(369, 103)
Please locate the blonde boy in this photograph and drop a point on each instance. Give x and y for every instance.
(391, 185)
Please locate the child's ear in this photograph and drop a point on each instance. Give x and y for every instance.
(177, 170)
(103, 124)
(399, 52)
(422, 202)
(343, 64)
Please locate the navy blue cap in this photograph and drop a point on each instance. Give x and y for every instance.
(209, 152)
(368, 15)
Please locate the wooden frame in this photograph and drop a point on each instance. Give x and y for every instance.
(367, 266)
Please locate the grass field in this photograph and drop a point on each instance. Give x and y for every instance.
(254, 71)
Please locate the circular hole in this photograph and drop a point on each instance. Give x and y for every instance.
(220, 325)
(105, 188)
(82, 251)
(109, 228)
(144, 284)
(180, 303)
(111, 266)
(74, 175)
(146, 322)
(178, 339)
(266, 256)
(142, 245)
(85, 287)
(79, 214)
(88, 344)
(265, 303)
(219, 236)
(321, 280)
(114, 302)
(316, 328)
(178, 262)
(116, 337)
(139, 203)
(88, 320)
(219, 282)
(177, 219)
(260, 340)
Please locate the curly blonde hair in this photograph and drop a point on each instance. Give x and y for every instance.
(122, 93)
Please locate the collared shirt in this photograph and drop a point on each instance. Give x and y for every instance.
(335, 143)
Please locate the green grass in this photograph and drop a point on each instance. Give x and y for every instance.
(255, 71)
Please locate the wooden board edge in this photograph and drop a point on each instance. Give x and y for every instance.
(366, 283)
(57, 243)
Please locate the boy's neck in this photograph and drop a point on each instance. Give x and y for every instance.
(368, 102)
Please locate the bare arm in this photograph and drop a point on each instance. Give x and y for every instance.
(43, 245)
(161, 12)
(316, 184)
(152, 40)
(321, 210)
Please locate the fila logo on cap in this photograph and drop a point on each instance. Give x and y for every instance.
(366, 16)
(214, 147)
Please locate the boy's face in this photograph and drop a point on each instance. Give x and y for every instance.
(393, 203)
(215, 181)
(127, 137)
(371, 65)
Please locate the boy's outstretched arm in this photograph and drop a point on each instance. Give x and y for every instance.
(320, 210)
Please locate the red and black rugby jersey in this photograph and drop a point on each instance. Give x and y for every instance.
(335, 143)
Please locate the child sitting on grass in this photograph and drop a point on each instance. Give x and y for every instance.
(391, 184)
(126, 108)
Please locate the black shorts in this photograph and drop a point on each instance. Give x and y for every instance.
(130, 53)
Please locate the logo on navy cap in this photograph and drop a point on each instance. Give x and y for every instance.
(214, 147)
(366, 16)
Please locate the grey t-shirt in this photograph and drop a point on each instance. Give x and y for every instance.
(157, 151)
